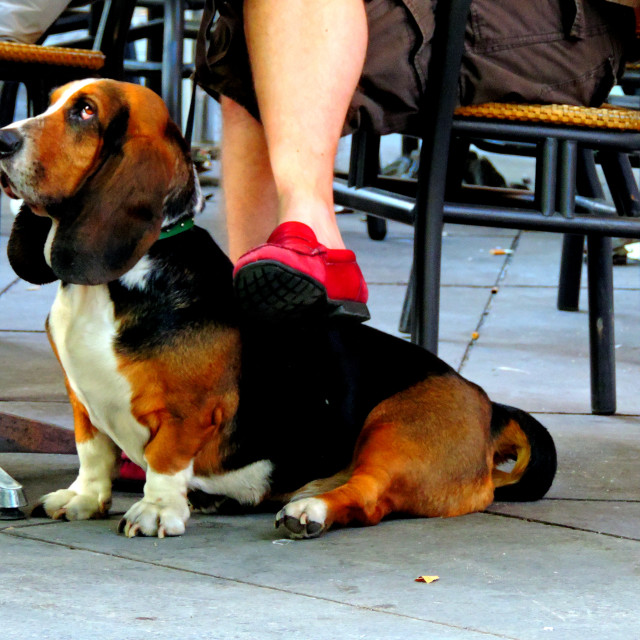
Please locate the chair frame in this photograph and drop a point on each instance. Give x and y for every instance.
(566, 161)
(41, 77)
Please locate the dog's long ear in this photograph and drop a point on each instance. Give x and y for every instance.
(184, 196)
(114, 219)
(26, 247)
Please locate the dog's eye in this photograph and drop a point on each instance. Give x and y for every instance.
(83, 110)
(87, 111)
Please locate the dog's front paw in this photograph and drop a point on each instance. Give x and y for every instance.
(66, 504)
(155, 519)
(305, 518)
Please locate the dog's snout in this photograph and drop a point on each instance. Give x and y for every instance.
(10, 142)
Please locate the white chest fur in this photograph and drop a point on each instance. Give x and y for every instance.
(83, 328)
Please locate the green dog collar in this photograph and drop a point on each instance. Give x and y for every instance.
(177, 227)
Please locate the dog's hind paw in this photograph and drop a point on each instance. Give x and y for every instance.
(152, 519)
(66, 504)
(304, 518)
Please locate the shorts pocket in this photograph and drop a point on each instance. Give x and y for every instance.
(590, 88)
(495, 25)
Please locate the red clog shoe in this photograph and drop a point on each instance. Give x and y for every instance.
(293, 275)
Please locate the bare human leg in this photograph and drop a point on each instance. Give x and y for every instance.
(306, 58)
(250, 197)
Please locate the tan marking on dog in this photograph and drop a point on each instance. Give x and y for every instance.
(403, 460)
(186, 395)
(511, 444)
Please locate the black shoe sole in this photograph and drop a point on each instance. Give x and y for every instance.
(276, 292)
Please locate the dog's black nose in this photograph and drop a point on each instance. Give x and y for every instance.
(10, 142)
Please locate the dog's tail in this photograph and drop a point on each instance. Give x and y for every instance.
(520, 437)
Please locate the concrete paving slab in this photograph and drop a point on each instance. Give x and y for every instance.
(546, 578)
(385, 306)
(615, 519)
(540, 571)
(25, 306)
(537, 263)
(530, 355)
(597, 487)
(50, 412)
(466, 259)
(212, 216)
(41, 473)
(457, 320)
(6, 217)
(473, 230)
(30, 371)
(160, 602)
(38, 473)
(7, 276)
(598, 456)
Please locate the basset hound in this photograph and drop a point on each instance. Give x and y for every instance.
(338, 422)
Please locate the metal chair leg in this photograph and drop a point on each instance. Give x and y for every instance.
(406, 317)
(601, 317)
(588, 184)
(427, 260)
(444, 68)
(601, 326)
(570, 272)
(600, 273)
(572, 246)
(458, 153)
(622, 183)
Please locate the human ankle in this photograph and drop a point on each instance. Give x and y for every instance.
(318, 216)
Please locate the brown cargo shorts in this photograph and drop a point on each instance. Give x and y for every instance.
(547, 51)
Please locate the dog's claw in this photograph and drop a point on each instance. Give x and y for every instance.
(129, 530)
(304, 518)
(149, 519)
